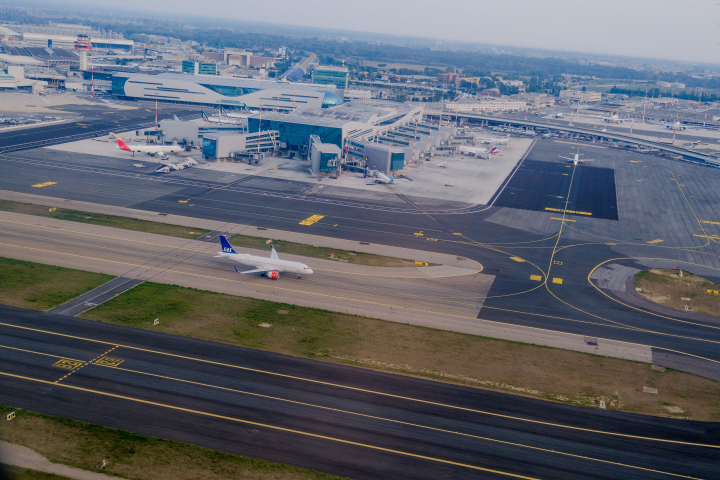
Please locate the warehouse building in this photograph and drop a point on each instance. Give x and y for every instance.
(244, 147)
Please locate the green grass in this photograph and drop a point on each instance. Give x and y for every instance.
(344, 256)
(131, 455)
(16, 473)
(40, 287)
(104, 220)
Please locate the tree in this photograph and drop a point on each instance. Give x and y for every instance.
(584, 89)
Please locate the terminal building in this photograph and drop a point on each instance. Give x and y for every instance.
(226, 91)
(338, 76)
(199, 68)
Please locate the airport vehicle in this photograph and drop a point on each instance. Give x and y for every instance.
(267, 267)
(497, 141)
(478, 151)
(612, 119)
(154, 150)
(218, 119)
(576, 159)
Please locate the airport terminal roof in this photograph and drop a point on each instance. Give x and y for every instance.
(343, 114)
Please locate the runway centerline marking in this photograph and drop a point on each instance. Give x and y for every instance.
(272, 427)
(389, 395)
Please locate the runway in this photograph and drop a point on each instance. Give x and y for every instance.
(337, 419)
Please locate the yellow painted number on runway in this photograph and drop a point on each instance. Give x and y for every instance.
(557, 262)
(68, 364)
(311, 220)
(46, 184)
(557, 280)
(418, 234)
(183, 201)
(537, 278)
(517, 259)
(108, 362)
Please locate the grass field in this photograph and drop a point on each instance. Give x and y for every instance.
(312, 251)
(40, 287)
(8, 472)
(103, 220)
(668, 288)
(130, 455)
(539, 372)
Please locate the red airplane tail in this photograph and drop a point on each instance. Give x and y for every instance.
(122, 145)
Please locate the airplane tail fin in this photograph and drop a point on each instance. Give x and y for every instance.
(122, 145)
(226, 247)
(175, 117)
(273, 252)
(224, 113)
(204, 116)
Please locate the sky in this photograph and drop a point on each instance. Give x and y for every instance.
(670, 29)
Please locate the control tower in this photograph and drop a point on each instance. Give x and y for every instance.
(83, 45)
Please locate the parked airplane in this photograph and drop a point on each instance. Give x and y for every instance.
(266, 267)
(612, 119)
(382, 178)
(216, 119)
(154, 150)
(675, 126)
(498, 141)
(242, 116)
(478, 151)
(178, 165)
(576, 159)
(559, 115)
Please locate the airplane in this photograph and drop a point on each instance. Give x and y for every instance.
(242, 116)
(149, 149)
(216, 119)
(612, 119)
(675, 126)
(382, 178)
(478, 151)
(266, 267)
(176, 166)
(576, 160)
(558, 115)
(498, 141)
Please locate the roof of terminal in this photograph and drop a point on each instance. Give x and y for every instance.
(231, 81)
(342, 114)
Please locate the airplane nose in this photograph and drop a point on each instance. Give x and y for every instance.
(309, 270)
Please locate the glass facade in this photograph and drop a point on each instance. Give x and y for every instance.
(118, 86)
(209, 148)
(203, 68)
(331, 99)
(297, 135)
(397, 161)
(324, 159)
(336, 77)
(229, 91)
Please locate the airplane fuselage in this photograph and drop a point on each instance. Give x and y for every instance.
(265, 263)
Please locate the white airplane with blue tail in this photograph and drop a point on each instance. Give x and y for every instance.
(267, 267)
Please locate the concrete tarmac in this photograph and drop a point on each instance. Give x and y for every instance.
(341, 420)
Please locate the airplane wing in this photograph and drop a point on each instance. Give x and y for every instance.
(256, 270)
(566, 158)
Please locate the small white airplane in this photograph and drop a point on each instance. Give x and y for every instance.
(498, 141)
(154, 150)
(558, 115)
(612, 119)
(266, 267)
(576, 159)
(675, 126)
(382, 178)
(216, 119)
(176, 166)
(478, 151)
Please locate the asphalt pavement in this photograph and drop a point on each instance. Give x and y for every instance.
(342, 420)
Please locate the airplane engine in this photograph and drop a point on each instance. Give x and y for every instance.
(273, 275)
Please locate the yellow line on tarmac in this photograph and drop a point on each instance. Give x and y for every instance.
(401, 397)
(272, 427)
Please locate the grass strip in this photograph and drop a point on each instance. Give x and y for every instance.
(540, 372)
(326, 253)
(41, 287)
(688, 292)
(100, 219)
(9, 472)
(130, 455)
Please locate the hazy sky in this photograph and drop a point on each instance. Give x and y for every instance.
(672, 29)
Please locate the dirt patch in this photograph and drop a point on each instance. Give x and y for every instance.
(688, 292)
(546, 373)
(130, 455)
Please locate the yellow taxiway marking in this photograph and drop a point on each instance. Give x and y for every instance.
(457, 233)
(46, 184)
(280, 399)
(708, 221)
(561, 210)
(346, 387)
(714, 237)
(561, 219)
(68, 364)
(557, 280)
(658, 240)
(82, 364)
(272, 427)
(183, 201)
(108, 362)
(557, 262)
(276, 166)
(418, 234)
(311, 220)
(39, 353)
(537, 278)
(635, 161)
(517, 259)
